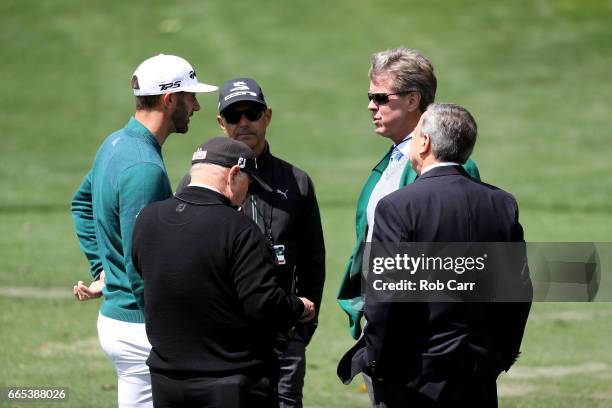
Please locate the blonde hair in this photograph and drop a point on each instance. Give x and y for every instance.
(410, 69)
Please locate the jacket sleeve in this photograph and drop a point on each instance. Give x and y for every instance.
(138, 186)
(311, 259)
(387, 229)
(82, 215)
(257, 288)
(513, 315)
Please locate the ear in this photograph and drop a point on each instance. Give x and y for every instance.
(425, 143)
(268, 116)
(221, 123)
(414, 101)
(233, 173)
(168, 100)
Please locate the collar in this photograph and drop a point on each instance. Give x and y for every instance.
(441, 164)
(405, 143)
(449, 170)
(205, 186)
(199, 195)
(264, 159)
(138, 129)
(404, 147)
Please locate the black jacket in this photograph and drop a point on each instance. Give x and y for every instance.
(436, 346)
(290, 216)
(212, 300)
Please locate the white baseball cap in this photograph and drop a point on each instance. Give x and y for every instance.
(166, 74)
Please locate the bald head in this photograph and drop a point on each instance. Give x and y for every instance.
(229, 181)
(210, 174)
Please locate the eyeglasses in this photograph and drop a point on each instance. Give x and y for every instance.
(233, 116)
(381, 98)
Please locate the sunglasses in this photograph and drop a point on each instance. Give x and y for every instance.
(381, 98)
(233, 116)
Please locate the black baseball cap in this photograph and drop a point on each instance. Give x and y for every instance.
(240, 89)
(227, 152)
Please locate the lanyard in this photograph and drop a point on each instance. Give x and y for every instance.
(257, 213)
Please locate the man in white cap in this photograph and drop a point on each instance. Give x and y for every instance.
(127, 174)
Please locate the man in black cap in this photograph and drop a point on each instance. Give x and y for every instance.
(213, 304)
(289, 218)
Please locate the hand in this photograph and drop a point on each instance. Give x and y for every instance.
(309, 310)
(83, 292)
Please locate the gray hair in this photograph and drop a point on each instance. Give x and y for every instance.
(410, 69)
(452, 131)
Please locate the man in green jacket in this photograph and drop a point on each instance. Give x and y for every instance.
(127, 174)
(402, 85)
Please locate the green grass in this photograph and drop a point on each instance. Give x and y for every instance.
(535, 74)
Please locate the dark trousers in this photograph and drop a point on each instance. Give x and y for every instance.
(234, 391)
(472, 392)
(292, 366)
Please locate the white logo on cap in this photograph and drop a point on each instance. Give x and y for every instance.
(239, 93)
(239, 86)
(241, 162)
(199, 154)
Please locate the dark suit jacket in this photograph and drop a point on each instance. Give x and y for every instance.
(433, 347)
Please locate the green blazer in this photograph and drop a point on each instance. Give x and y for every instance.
(349, 296)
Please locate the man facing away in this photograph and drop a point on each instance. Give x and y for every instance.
(402, 85)
(212, 298)
(127, 174)
(434, 354)
(288, 216)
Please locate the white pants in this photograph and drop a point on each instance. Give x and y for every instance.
(127, 346)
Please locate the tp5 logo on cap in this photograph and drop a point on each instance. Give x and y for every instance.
(165, 74)
(176, 84)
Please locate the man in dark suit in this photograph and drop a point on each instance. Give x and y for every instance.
(432, 353)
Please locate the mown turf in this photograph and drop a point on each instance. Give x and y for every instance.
(535, 74)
